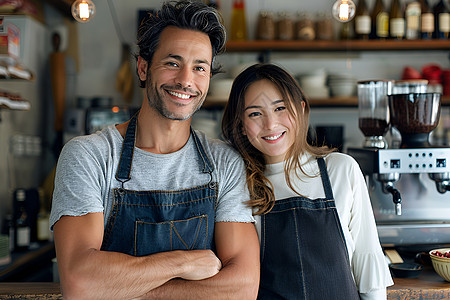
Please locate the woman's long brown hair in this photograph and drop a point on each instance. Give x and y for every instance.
(261, 190)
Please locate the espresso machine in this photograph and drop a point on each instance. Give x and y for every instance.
(407, 182)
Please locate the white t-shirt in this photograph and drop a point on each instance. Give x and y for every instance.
(85, 175)
(366, 257)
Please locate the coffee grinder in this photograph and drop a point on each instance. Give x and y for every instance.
(408, 184)
(373, 111)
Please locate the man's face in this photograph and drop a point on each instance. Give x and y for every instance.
(179, 74)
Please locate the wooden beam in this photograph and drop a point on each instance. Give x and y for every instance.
(64, 6)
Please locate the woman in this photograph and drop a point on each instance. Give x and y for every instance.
(314, 219)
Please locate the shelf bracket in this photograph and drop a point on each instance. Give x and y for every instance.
(264, 56)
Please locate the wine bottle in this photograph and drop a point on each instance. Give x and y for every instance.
(345, 32)
(380, 21)
(238, 22)
(396, 21)
(22, 229)
(441, 21)
(362, 21)
(426, 20)
(412, 16)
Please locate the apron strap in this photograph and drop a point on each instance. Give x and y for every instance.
(325, 179)
(126, 156)
(207, 166)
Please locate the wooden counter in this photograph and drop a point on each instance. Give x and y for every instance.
(30, 290)
(427, 286)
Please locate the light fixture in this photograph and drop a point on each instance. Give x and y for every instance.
(343, 10)
(83, 10)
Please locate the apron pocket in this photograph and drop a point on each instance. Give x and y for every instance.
(188, 234)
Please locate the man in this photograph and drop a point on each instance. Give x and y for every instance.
(150, 208)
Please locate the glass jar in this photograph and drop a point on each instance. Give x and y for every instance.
(265, 29)
(285, 26)
(304, 29)
(373, 108)
(324, 27)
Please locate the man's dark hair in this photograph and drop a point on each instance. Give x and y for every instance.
(193, 15)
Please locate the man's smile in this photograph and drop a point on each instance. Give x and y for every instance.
(179, 95)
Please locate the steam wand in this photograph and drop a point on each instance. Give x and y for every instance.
(387, 181)
(396, 197)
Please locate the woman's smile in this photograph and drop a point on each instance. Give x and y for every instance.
(274, 138)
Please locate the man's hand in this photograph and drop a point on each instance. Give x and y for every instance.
(204, 265)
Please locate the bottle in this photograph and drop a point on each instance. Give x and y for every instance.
(345, 32)
(396, 21)
(362, 21)
(10, 227)
(441, 21)
(426, 21)
(238, 22)
(380, 21)
(43, 233)
(412, 16)
(22, 231)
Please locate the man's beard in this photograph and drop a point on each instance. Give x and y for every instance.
(156, 101)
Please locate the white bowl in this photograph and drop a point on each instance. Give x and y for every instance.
(312, 81)
(316, 93)
(343, 90)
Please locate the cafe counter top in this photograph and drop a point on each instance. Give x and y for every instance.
(427, 286)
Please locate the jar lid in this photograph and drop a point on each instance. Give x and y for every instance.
(374, 81)
(411, 82)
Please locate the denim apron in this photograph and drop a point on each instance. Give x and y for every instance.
(303, 251)
(147, 222)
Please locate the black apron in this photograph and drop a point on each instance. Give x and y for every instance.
(147, 222)
(303, 250)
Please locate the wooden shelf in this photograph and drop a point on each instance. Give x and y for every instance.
(353, 102)
(349, 45)
(325, 102)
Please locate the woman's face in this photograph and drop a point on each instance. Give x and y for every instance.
(268, 125)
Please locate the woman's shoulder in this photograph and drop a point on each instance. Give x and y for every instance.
(340, 160)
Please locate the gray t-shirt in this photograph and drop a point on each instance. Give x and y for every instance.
(85, 175)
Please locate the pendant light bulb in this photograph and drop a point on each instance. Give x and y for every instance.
(83, 10)
(343, 10)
